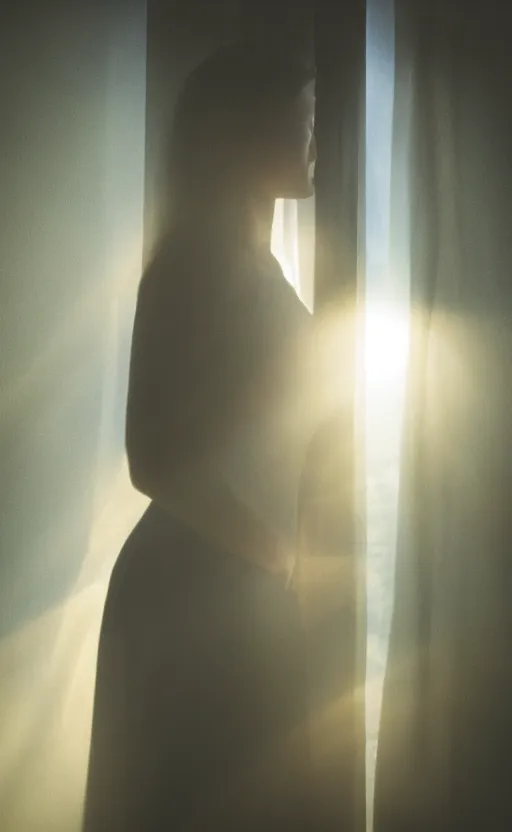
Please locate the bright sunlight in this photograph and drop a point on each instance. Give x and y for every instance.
(386, 346)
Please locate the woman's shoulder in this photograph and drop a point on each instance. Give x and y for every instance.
(186, 268)
(225, 282)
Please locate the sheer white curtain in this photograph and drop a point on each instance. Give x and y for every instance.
(72, 180)
(386, 340)
(444, 745)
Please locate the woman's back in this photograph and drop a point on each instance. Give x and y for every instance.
(223, 345)
(201, 697)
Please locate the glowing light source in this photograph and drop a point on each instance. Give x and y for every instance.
(386, 345)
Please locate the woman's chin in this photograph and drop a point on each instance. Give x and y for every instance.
(307, 191)
(300, 190)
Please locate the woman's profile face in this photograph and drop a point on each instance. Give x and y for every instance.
(292, 149)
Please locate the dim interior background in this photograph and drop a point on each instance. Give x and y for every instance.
(85, 115)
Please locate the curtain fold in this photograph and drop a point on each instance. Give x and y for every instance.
(446, 727)
(331, 562)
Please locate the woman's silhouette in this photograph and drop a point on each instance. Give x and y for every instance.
(201, 695)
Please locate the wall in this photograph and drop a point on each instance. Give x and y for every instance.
(73, 99)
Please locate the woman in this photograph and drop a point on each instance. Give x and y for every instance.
(201, 695)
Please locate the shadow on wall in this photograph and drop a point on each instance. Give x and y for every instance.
(73, 106)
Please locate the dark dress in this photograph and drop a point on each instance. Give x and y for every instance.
(201, 703)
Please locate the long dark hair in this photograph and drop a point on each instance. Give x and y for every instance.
(224, 116)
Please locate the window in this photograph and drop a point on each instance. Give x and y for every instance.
(293, 244)
(386, 349)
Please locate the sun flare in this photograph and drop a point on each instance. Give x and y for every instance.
(386, 345)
